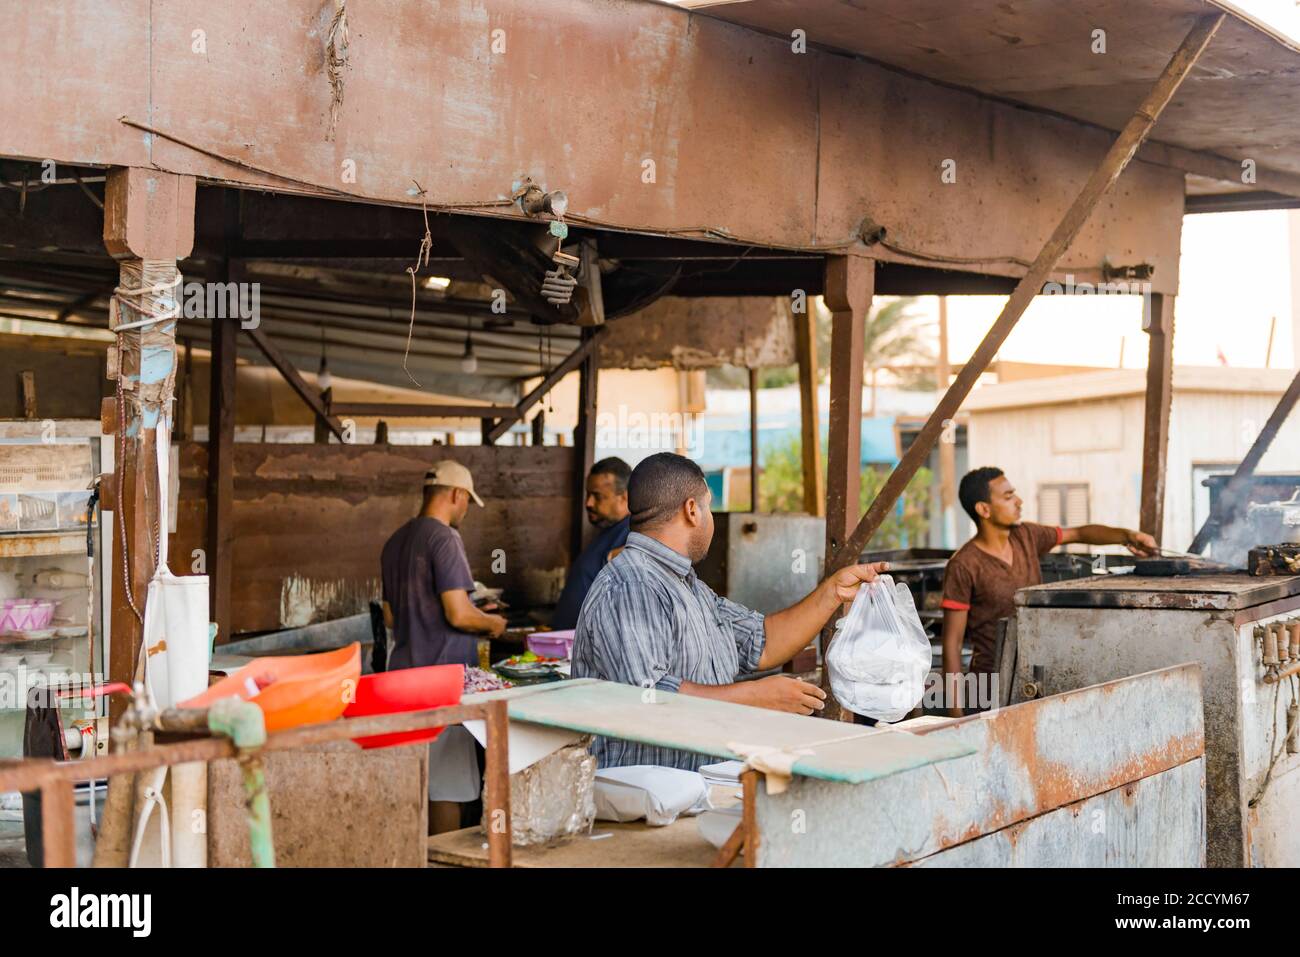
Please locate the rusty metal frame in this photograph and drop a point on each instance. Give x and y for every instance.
(54, 779)
(298, 384)
(1103, 177)
(574, 359)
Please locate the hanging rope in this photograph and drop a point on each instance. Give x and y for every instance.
(421, 260)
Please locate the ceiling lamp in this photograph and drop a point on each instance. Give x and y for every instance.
(468, 361)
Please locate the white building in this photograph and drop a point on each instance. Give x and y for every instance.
(1072, 445)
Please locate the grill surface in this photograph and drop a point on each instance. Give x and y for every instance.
(1226, 591)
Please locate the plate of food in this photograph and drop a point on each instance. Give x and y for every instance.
(529, 666)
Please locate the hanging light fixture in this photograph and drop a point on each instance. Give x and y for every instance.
(468, 361)
(324, 381)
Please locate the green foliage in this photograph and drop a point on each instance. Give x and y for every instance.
(781, 490)
(892, 334)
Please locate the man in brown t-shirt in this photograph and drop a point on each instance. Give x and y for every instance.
(983, 576)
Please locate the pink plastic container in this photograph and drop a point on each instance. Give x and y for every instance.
(26, 614)
(551, 644)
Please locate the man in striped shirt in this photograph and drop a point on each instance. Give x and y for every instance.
(649, 621)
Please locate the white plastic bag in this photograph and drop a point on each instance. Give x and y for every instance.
(658, 794)
(880, 655)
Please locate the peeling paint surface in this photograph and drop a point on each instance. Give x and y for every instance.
(1076, 647)
(305, 601)
(1030, 760)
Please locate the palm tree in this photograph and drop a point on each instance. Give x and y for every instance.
(891, 333)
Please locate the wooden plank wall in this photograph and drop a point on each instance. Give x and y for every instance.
(310, 521)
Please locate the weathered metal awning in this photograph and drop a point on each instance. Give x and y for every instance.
(1241, 102)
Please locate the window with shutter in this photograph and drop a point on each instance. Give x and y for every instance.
(1066, 505)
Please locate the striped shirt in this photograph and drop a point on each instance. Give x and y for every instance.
(649, 621)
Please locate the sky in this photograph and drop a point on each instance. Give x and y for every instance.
(1235, 277)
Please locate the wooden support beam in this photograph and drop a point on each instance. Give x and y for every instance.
(28, 380)
(221, 474)
(58, 824)
(850, 285)
(220, 541)
(296, 382)
(539, 428)
(1233, 496)
(805, 338)
(1099, 183)
(948, 444)
(1158, 322)
(415, 410)
(320, 428)
(753, 441)
(584, 436)
(575, 358)
(148, 227)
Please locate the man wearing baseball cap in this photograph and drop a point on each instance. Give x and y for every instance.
(427, 584)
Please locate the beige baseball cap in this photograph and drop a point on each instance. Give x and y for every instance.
(453, 475)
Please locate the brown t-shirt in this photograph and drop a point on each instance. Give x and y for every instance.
(985, 586)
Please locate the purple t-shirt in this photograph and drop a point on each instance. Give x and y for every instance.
(423, 559)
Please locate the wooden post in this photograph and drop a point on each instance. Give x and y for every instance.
(58, 824)
(148, 226)
(1099, 183)
(28, 379)
(221, 465)
(539, 428)
(753, 440)
(1158, 321)
(187, 394)
(947, 449)
(850, 285)
(496, 785)
(321, 427)
(584, 439)
(805, 338)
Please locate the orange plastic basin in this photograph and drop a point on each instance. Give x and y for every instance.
(408, 689)
(294, 690)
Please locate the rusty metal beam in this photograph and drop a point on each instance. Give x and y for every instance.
(805, 338)
(1233, 495)
(850, 284)
(1158, 322)
(753, 441)
(584, 439)
(221, 433)
(415, 410)
(1103, 177)
(818, 111)
(296, 382)
(148, 229)
(574, 359)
